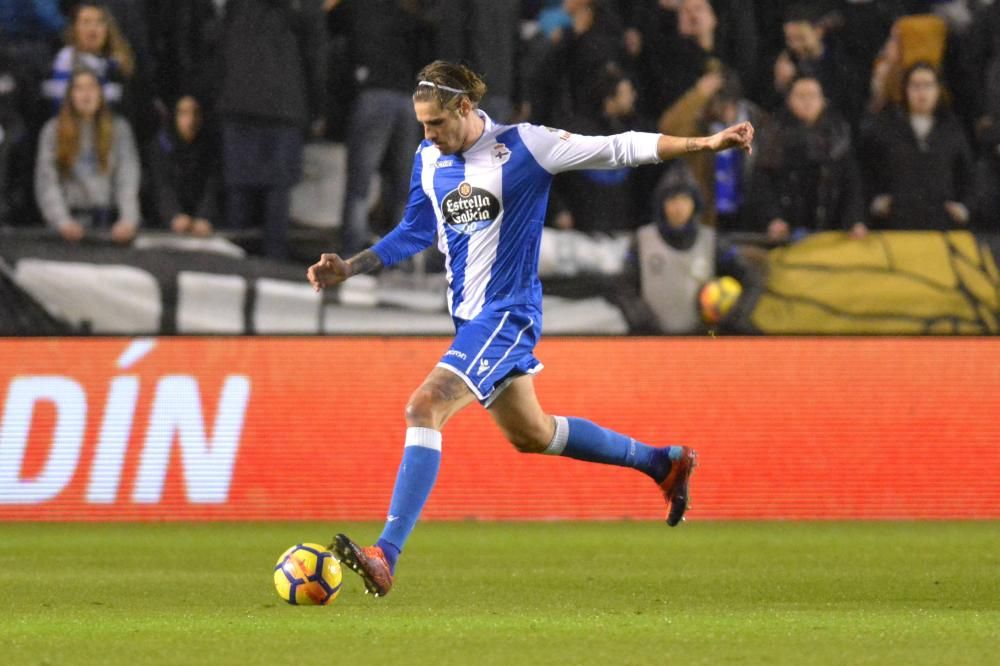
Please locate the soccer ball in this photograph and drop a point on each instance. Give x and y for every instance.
(717, 297)
(307, 574)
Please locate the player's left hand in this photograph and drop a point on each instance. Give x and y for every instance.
(737, 136)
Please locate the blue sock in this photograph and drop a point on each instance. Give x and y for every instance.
(414, 481)
(583, 440)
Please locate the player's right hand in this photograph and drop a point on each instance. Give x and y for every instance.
(330, 270)
(739, 136)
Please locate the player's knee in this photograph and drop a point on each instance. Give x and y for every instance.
(421, 410)
(425, 409)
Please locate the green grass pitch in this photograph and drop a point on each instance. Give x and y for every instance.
(502, 593)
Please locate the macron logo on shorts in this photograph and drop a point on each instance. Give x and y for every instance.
(484, 365)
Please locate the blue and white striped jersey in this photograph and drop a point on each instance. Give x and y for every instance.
(487, 205)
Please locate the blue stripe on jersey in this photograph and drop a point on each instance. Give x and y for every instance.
(458, 254)
(445, 181)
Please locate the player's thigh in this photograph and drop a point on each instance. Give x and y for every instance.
(441, 395)
(521, 418)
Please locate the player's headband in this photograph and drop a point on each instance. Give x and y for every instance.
(431, 84)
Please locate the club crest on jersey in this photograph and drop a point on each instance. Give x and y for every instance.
(500, 154)
(469, 209)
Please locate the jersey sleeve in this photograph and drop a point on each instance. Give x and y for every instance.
(557, 150)
(418, 228)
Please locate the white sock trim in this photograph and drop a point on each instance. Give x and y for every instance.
(425, 437)
(559, 439)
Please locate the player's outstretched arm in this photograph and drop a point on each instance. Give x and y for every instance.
(332, 269)
(737, 136)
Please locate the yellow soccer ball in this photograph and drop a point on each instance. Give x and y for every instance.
(307, 574)
(717, 297)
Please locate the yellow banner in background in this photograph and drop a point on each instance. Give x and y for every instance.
(902, 283)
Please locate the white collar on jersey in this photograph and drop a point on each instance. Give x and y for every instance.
(486, 120)
(488, 125)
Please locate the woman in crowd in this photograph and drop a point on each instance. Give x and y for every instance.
(184, 171)
(94, 41)
(806, 176)
(87, 171)
(919, 163)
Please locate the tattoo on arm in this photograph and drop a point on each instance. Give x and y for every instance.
(691, 146)
(364, 262)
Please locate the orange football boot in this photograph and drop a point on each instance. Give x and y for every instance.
(675, 486)
(369, 563)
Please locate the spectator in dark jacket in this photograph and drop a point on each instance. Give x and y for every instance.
(806, 177)
(986, 214)
(681, 40)
(184, 172)
(185, 46)
(29, 31)
(483, 35)
(808, 53)
(143, 104)
(271, 94)
(982, 62)
(919, 164)
(612, 200)
(859, 29)
(565, 75)
(12, 129)
(387, 39)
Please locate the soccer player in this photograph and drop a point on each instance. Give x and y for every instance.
(481, 189)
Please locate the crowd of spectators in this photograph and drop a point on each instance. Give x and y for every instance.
(192, 115)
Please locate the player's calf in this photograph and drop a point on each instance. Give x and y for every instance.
(526, 441)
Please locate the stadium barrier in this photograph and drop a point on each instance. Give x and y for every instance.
(312, 428)
(890, 283)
